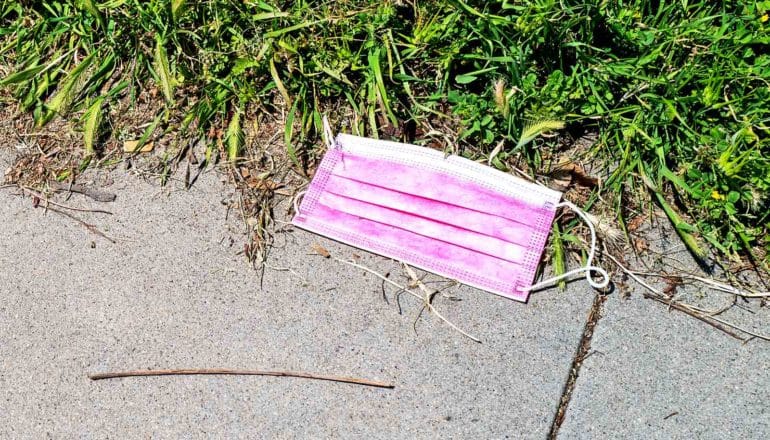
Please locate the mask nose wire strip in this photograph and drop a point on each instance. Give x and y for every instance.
(588, 268)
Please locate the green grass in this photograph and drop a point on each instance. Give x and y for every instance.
(676, 92)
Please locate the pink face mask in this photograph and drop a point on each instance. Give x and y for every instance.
(447, 215)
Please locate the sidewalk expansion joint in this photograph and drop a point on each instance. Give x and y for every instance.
(583, 349)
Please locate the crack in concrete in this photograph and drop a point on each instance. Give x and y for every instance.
(582, 352)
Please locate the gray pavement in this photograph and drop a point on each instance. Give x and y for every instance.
(658, 374)
(173, 293)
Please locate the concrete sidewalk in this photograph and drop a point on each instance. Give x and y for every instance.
(658, 374)
(173, 293)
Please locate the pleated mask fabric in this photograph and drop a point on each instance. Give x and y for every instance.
(444, 214)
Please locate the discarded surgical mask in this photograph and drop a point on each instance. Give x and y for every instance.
(445, 214)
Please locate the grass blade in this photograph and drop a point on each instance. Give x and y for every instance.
(279, 84)
(177, 7)
(23, 75)
(269, 16)
(279, 32)
(149, 131)
(90, 6)
(558, 258)
(288, 134)
(67, 90)
(374, 64)
(683, 229)
(163, 70)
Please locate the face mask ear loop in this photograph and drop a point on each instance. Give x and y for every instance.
(588, 268)
(328, 134)
(295, 202)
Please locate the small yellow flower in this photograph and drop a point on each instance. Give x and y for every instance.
(716, 196)
(764, 18)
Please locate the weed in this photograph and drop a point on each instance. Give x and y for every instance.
(676, 92)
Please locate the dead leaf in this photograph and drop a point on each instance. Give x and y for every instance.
(568, 171)
(133, 146)
(636, 222)
(672, 282)
(561, 180)
(320, 250)
(257, 183)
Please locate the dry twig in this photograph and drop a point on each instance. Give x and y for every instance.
(88, 226)
(93, 193)
(427, 299)
(227, 371)
(48, 201)
(691, 310)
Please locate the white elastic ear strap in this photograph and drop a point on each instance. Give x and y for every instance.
(588, 268)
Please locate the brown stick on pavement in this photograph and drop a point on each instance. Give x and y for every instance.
(226, 371)
(96, 194)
